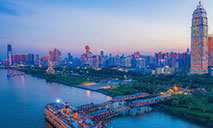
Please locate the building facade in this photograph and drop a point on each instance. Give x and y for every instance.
(55, 56)
(199, 43)
(9, 54)
(210, 40)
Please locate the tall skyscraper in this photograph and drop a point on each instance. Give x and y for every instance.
(184, 61)
(102, 53)
(55, 56)
(37, 60)
(9, 54)
(70, 57)
(87, 57)
(199, 43)
(210, 41)
(31, 59)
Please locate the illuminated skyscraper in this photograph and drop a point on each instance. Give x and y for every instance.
(52, 55)
(87, 58)
(199, 43)
(9, 54)
(210, 40)
(55, 56)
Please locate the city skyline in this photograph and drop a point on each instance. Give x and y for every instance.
(131, 16)
(106, 63)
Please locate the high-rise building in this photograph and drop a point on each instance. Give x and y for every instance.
(70, 57)
(55, 56)
(102, 53)
(46, 60)
(117, 60)
(199, 43)
(31, 59)
(20, 59)
(96, 61)
(210, 41)
(87, 57)
(52, 55)
(37, 60)
(9, 54)
(184, 61)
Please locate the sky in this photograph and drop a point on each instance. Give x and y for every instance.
(116, 26)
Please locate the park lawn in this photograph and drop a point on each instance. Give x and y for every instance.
(187, 113)
(121, 90)
(201, 104)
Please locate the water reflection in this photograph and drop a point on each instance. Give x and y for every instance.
(25, 105)
(88, 93)
(22, 80)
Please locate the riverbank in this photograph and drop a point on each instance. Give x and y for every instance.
(68, 80)
(196, 107)
(73, 81)
(192, 116)
(177, 112)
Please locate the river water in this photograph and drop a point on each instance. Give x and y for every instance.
(23, 97)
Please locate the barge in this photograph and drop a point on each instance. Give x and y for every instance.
(61, 115)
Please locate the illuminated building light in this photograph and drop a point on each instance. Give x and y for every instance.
(199, 47)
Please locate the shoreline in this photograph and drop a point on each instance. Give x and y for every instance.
(76, 86)
(157, 107)
(162, 108)
(62, 83)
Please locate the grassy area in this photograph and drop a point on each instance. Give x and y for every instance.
(199, 117)
(58, 78)
(197, 107)
(121, 90)
(135, 88)
(183, 80)
(180, 79)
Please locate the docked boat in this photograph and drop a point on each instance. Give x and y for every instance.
(60, 115)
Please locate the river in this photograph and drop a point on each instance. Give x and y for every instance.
(23, 97)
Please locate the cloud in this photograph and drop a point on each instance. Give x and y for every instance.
(8, 8)
(14, 9)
